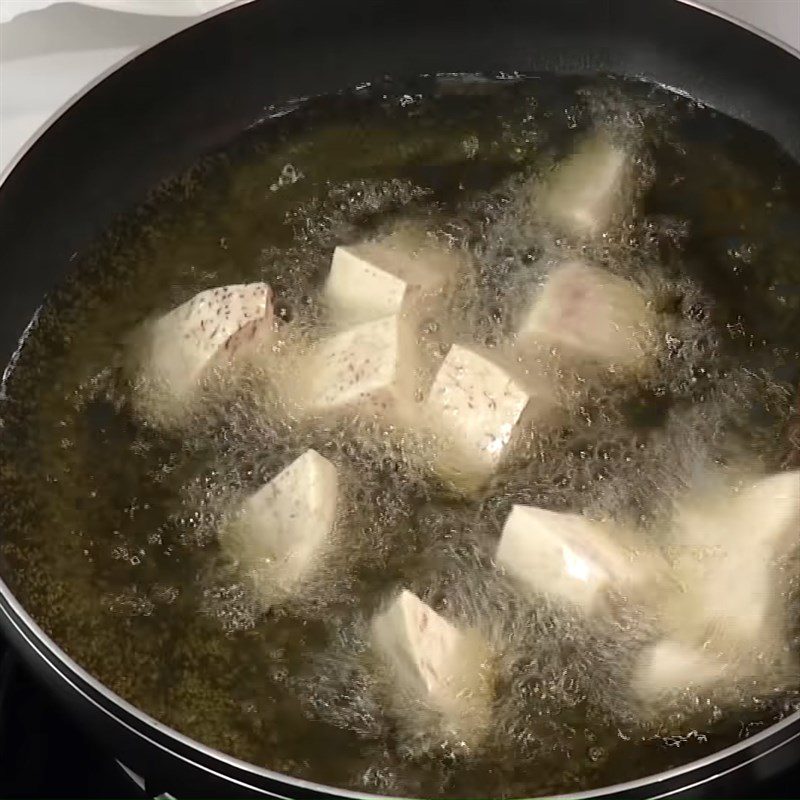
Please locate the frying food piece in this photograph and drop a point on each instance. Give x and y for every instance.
(591, 315)
(214, 326)
(284, 527)
(399, 273)
(670, 667)
(475, 406)
(587, 190)
(433, 662)
(725, 548)
(369, 367)
(792, 458)
(568, 557)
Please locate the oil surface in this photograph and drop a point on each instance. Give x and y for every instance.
(110, 524)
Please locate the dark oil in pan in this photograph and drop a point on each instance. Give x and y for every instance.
(110, 524)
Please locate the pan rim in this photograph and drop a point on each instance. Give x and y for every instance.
(28, 629)
(91, 689)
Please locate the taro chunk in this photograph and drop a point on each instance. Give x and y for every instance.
(592, 315)
(369, 366)
(432, 661)
(769, 511)
(565, 556)
(475, 406)
(214, 326)
(669, 667)
(588, 190)
(725, 554)
(392, 275)
(284, 527)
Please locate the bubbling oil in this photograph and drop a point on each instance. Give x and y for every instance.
(112, 518)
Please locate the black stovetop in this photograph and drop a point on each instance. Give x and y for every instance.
(44, 754)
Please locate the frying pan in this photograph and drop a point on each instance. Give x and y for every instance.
(166, 107)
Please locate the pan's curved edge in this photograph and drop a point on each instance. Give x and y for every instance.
(86, 685)
(740, 23)
(233, 4)
(90, 688)
(99, 78)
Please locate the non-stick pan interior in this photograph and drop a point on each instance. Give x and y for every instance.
(171, 106)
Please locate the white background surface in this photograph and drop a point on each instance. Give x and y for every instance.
(47, 54)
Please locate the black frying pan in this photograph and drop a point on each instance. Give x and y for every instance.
(195, 92)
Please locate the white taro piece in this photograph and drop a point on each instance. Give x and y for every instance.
(591, 315)
(475, 406)
(725, 550)
(587, 191)
(566, 557)
(215, 326)
(399, 273)
(768, 511)
(669, 667)
(434, 663)
(369, 367)
(284, 527)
